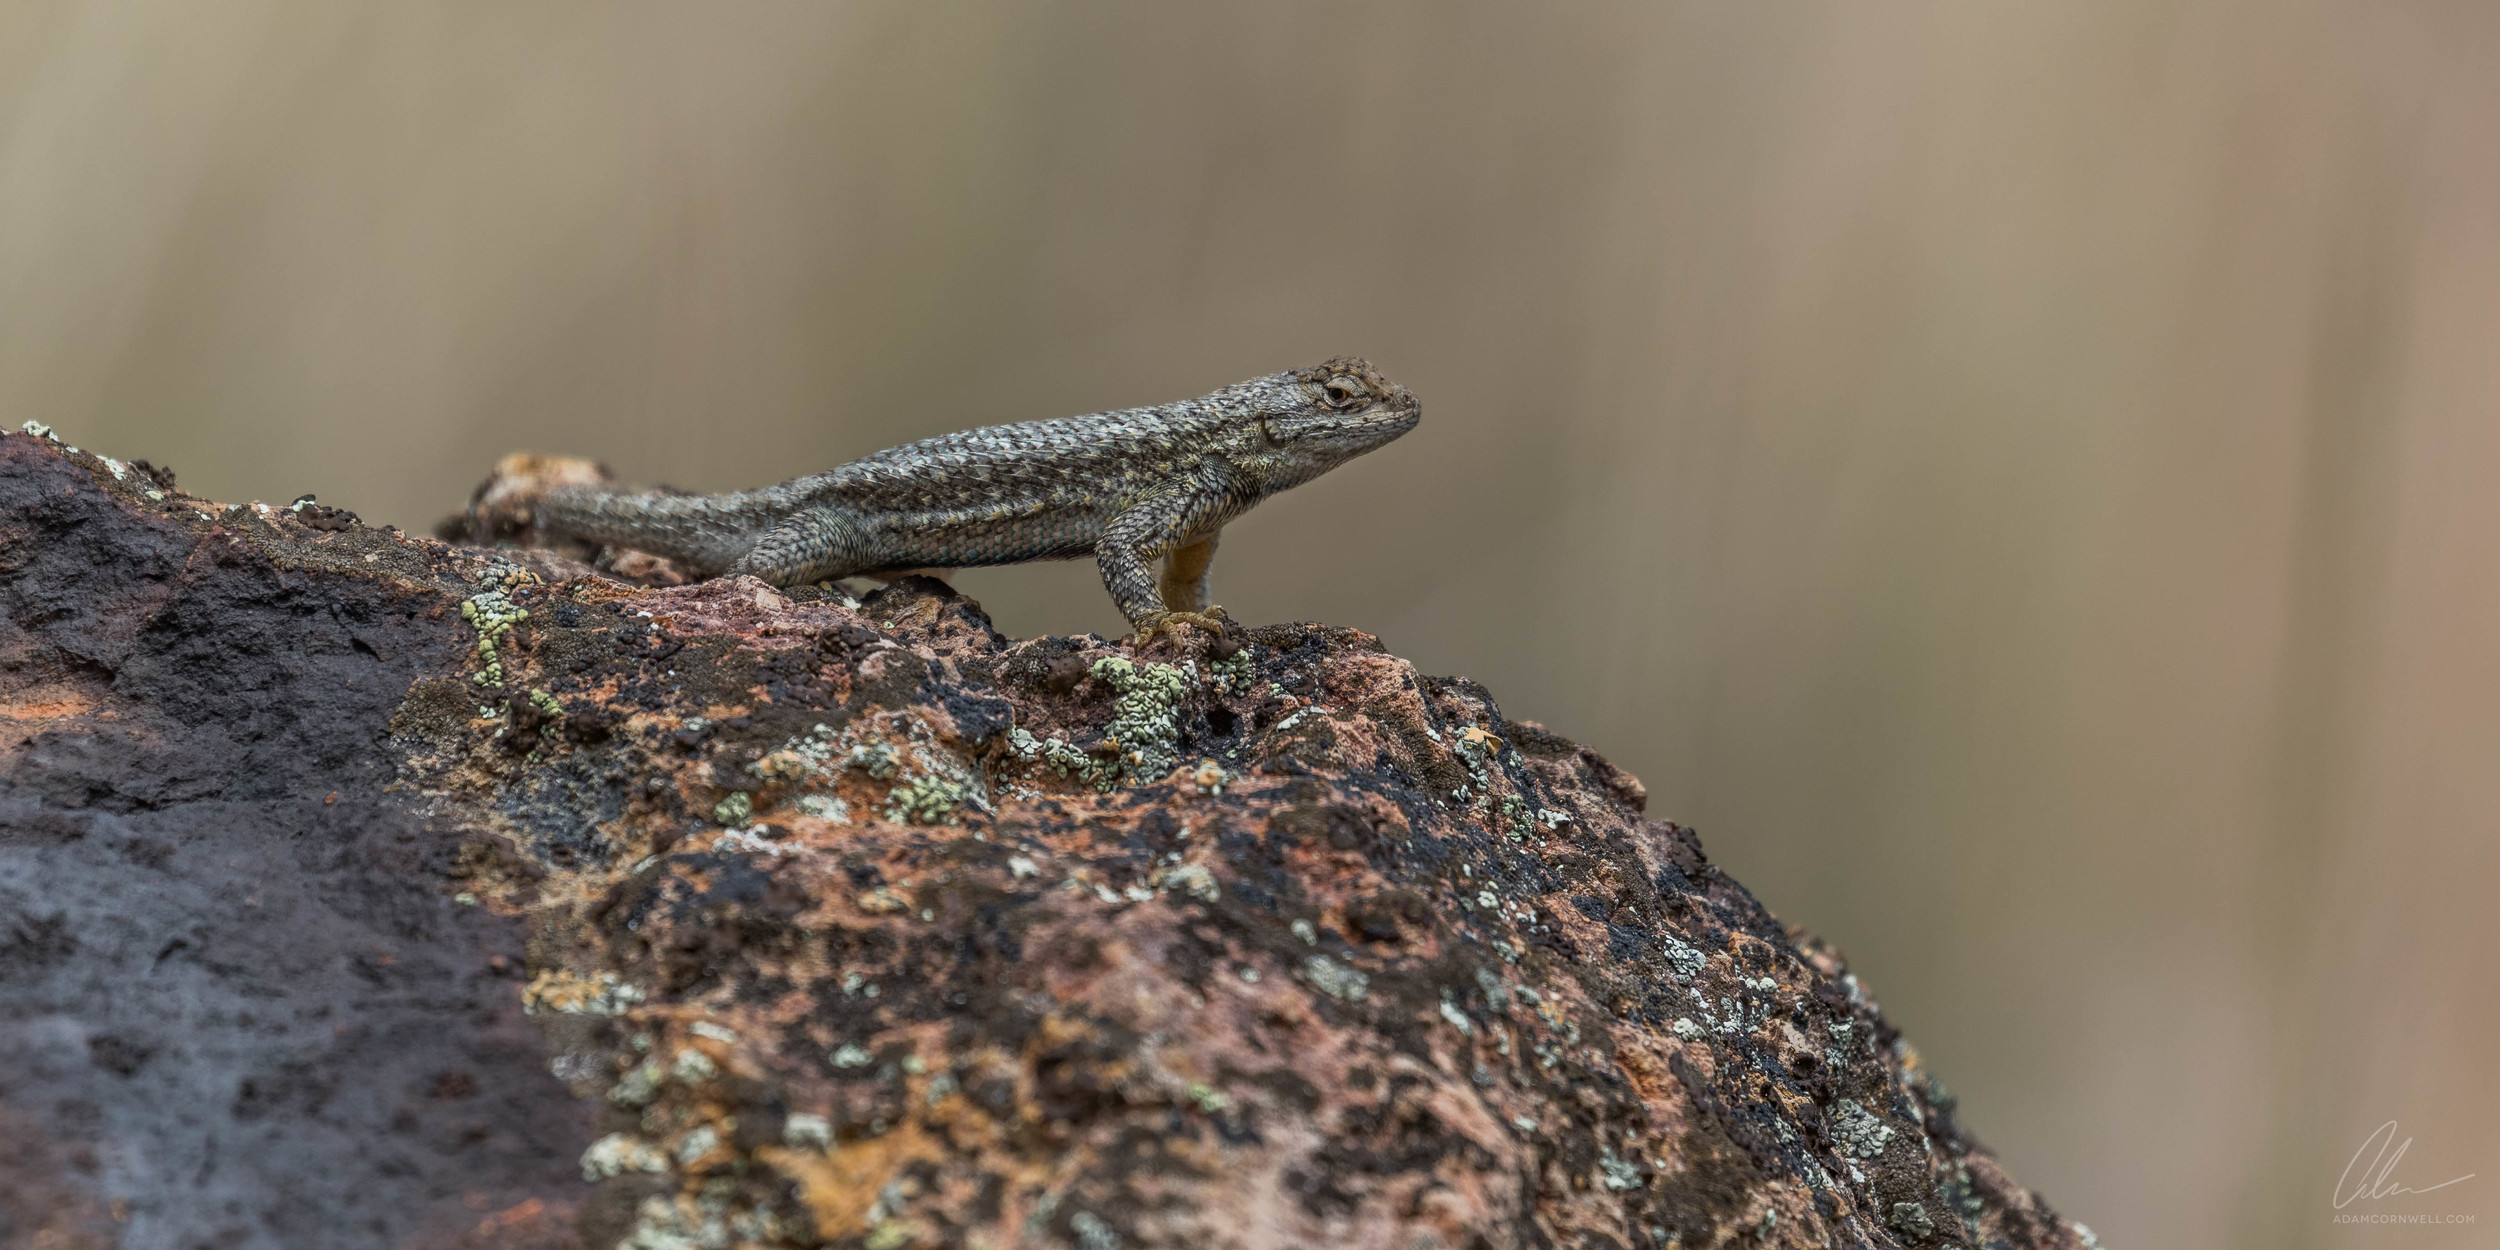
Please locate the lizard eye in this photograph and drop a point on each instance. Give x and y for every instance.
(1345, 392)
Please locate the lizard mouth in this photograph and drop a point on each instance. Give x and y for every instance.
(1381, 425)
(1395, 415)
(1390, 416)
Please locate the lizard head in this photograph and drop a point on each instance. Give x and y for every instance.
(1312, 420)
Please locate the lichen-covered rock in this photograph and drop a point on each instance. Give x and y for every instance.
(357, 889)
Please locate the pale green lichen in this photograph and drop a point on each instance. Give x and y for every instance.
(1194, 879)
(825, 807)
(1496, 994)
(892, 1234)
(746, 840)
(1145, 726)
(931, 783)
(698, 1142)
(1478, 757)
(1092, 1232)
(1144, 734)
(693, 1067)
(926, 801)
(877, 759)
(618, 1153)
(638, 1087)
(1836, 1055)
(734, 811)
(492, 614)
(1859, 1132)
(546, 703)
(1687, 962)
(1618, 1175)
(712, 1220)
(1912, 1218)
(807, 1131)
(1232, 675)
(1336, 980)
(1054, 751)
(796, 759)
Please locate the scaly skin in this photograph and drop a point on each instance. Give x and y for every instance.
(1128, 487)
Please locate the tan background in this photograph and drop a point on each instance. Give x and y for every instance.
(2019, 477)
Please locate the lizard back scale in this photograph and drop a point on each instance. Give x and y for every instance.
(1129, 487)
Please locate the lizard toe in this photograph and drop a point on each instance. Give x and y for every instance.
(1162, 624)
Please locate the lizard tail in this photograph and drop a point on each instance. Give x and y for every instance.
(706, 533)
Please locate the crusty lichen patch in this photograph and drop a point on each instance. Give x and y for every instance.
(492, 614)
(926, 780)
(1142, 740)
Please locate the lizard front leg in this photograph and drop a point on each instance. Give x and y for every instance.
(1128, 548)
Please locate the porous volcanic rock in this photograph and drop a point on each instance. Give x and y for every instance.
(365, 890)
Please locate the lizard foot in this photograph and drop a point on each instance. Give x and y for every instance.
(1213, 620)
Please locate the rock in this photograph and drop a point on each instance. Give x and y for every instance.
(333, 912)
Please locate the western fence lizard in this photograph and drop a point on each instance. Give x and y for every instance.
(1126, 487)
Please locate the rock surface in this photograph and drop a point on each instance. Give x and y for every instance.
(363, 890)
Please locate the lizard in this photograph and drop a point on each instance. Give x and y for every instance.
(1129, 487)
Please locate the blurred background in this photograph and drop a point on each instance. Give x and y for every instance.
(2019, 478)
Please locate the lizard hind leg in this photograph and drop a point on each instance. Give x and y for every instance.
(809, 545)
